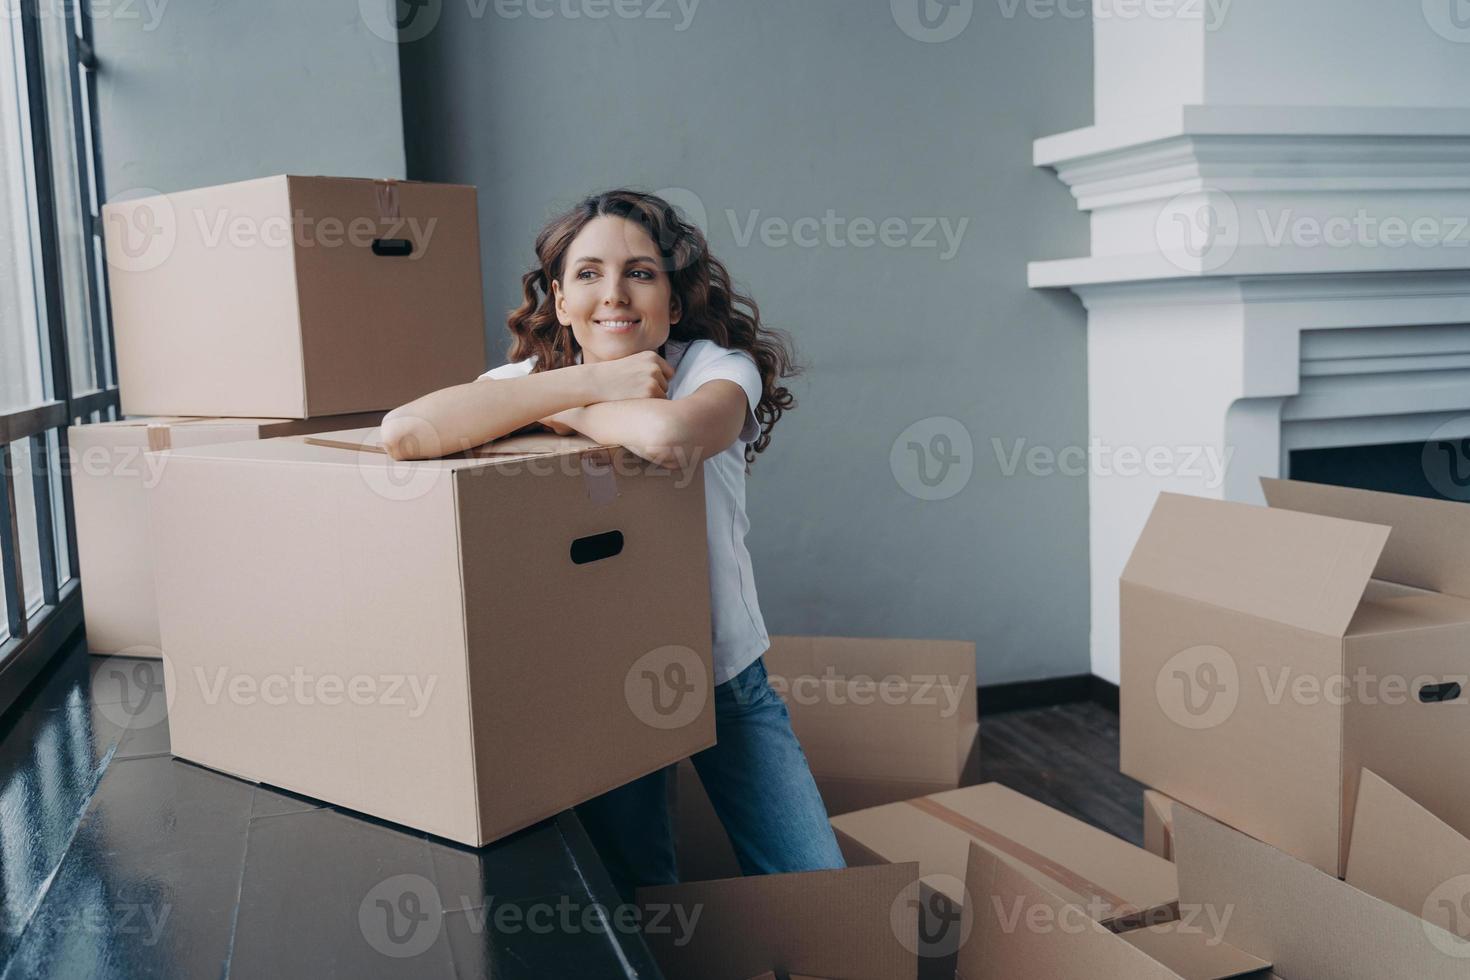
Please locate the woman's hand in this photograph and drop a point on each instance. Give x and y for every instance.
(641, 375)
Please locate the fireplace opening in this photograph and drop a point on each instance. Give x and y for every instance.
(1425, 469)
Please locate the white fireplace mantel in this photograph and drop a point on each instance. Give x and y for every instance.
(1261, 280)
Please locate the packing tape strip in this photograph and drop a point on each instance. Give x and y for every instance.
(387, 191)
(597, 476)
(159, 438)
(1022, 853)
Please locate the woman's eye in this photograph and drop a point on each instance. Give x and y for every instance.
(586, 273)
(641, 273)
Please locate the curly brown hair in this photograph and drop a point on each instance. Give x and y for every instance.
(711, 308)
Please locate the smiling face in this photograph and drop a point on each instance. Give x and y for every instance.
(613, 292)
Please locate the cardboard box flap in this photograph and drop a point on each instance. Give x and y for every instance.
(856, 923)
(1021, 929)
(1430, 544)
(1307, 922)
(1086, 865)
(1303, 570)
(1193, 952)
(1408, 857)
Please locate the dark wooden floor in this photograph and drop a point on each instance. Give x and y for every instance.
(1066, 757)
(118, 860)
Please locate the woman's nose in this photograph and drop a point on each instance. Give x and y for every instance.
(616, 293)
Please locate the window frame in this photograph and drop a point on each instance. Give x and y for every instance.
(37, 636)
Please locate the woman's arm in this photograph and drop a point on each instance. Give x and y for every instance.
(677, 433)
(460, 417)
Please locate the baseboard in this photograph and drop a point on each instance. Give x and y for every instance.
(1020, 695)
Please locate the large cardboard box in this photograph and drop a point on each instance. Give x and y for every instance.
(1113, 880)
(463, 645)
(1271, 653)
(1311, 925)
(880, 720)
(852, 924)
(110, 471)
(1023, 929)
(294, 297)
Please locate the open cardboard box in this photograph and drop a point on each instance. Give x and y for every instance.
(109, 474)
(1271, 653)
(474, 634)
(851, 924)
(294, 297)
(1313, 926)
(1023, 929)
(1114, 882)
(880, 720)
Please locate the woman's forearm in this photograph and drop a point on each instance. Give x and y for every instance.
(646, 426)
(457, 418)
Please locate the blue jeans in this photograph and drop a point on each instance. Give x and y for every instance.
(758, 781)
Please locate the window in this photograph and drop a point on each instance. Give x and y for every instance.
(56, 360)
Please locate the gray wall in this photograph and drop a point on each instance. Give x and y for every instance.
(194, 93)
(786, 110)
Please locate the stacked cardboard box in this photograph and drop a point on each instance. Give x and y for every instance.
(880, 720)
(265, 308)
(397, 638)
(493, 655)
(294, 297)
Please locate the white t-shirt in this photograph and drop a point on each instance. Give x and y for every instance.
(740, 635)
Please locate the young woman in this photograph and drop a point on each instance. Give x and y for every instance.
(631, 333)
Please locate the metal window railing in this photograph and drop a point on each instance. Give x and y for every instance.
(36, 634)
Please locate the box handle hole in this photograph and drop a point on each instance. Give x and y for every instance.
(392, 247)
(1438, 693)
(596, 547)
